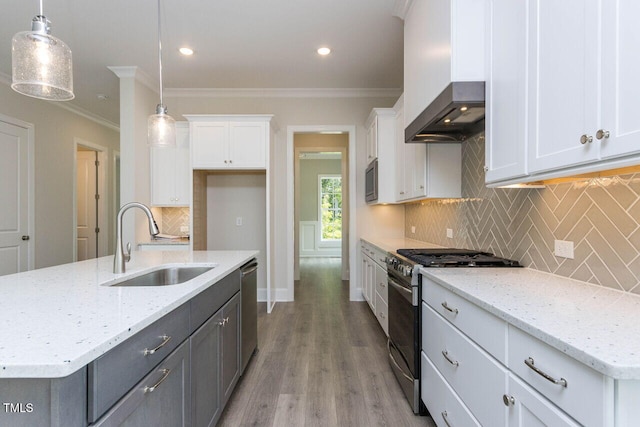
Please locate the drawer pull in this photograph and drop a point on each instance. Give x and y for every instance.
(445, 353)
(529, 362)
(165, 340)
(446, 307)
(224, 321)
(445, 417)
(165, 374)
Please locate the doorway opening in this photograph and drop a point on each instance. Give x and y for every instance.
(90, 229)
(321, 199)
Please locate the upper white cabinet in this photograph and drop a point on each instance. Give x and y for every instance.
(380, 144)
(170, 171)
(229, 142)
(443, 42)
(561, 88)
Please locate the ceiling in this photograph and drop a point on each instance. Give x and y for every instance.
(238, 44)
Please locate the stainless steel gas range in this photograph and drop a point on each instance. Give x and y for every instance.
(404, 307)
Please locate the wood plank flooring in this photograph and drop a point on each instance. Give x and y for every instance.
(322, 361)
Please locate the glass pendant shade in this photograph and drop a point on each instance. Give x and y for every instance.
(162, 129)
(41, 64)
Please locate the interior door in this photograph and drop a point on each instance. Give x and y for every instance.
(14, 201)
(87, 212)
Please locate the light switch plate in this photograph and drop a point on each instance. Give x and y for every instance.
(563, 248)
(239, 221)
(449, 233)
(413, 229)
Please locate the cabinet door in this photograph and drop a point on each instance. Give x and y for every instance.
(418, 170)
(182, 193)
(209, 145)
(563, 82)
(620, 88)
(529, 408)
(230, 347)
(372, 141)
(506, 136)
(248, 145)
(206, 405)
(160, 399)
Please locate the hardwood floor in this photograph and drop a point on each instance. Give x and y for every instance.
(322, 361)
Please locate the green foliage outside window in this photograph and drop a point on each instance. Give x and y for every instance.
(331, 207)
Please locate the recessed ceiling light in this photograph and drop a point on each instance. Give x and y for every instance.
(447, 120)
(186, 51)
(463, 109)
(324, 51)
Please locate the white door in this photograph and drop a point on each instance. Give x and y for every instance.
(87, 221)
(14, 198)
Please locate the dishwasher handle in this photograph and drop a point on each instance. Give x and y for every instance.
(249, 268)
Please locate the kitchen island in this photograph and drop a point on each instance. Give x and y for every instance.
(55, 322)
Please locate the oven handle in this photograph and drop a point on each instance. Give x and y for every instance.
(396, 363)
(409, 294)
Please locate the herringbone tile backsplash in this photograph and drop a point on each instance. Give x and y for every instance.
(601, 218)
(173, 219)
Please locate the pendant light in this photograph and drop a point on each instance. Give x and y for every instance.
(41, 63)
(161, 126)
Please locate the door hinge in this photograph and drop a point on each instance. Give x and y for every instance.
(97, 197)
(97, 230)
(97, 162)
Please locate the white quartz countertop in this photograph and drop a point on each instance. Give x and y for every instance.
(597, 326)
(54, 321)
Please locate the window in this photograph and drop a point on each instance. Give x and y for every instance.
(330, 203)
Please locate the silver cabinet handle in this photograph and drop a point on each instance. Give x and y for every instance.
(224, 321)
(165, 340)
(151, 389)
(586, 138)
(529, 362)
(446, 307)
(445, 417)
(602, 134)
(25, 237)
(449, 359)
(402, 192)
(508, 400)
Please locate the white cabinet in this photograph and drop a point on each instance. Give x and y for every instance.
(381, 134)
(229, 142)
(425, 170)
(170, 171)
(373, 278)
(443, 42)
(562, 89)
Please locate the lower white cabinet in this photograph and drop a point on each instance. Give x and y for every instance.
(528, 408)
(373, 280)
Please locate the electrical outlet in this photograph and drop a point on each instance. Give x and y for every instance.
(239, 221)
(449, 233)
(563, 248)
(184, 228)
(413, 229)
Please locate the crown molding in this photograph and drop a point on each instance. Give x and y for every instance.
(283, 93)
(136, 73)
(6, 79)
(401, 7)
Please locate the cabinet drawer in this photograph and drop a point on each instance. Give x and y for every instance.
(488, 331)
(381, 284)
(161, 398)
(382, 313)
(213, 298)
(478, 379)
(443, 403)
(115, 372)
(586, 396)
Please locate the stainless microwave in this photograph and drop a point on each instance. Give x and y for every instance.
(371, 182)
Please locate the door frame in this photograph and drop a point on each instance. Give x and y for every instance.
(287, 293)
(103, 242)
(31, 200)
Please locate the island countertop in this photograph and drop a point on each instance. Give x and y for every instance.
(55, 320)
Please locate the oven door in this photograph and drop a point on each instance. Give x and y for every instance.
(404, 339)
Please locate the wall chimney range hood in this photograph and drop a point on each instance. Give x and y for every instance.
(455, 115)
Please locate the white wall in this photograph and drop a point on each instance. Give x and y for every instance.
(55, 129)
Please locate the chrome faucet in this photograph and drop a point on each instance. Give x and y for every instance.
(120, 258)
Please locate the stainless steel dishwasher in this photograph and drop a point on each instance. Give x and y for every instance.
(249, 310)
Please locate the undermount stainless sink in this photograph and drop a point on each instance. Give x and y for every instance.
(165, 276)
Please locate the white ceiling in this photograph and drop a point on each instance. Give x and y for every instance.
(237, 43)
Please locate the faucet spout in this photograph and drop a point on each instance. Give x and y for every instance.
(119, 259)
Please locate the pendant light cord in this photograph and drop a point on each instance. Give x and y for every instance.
(159, 53)
(41, 13)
